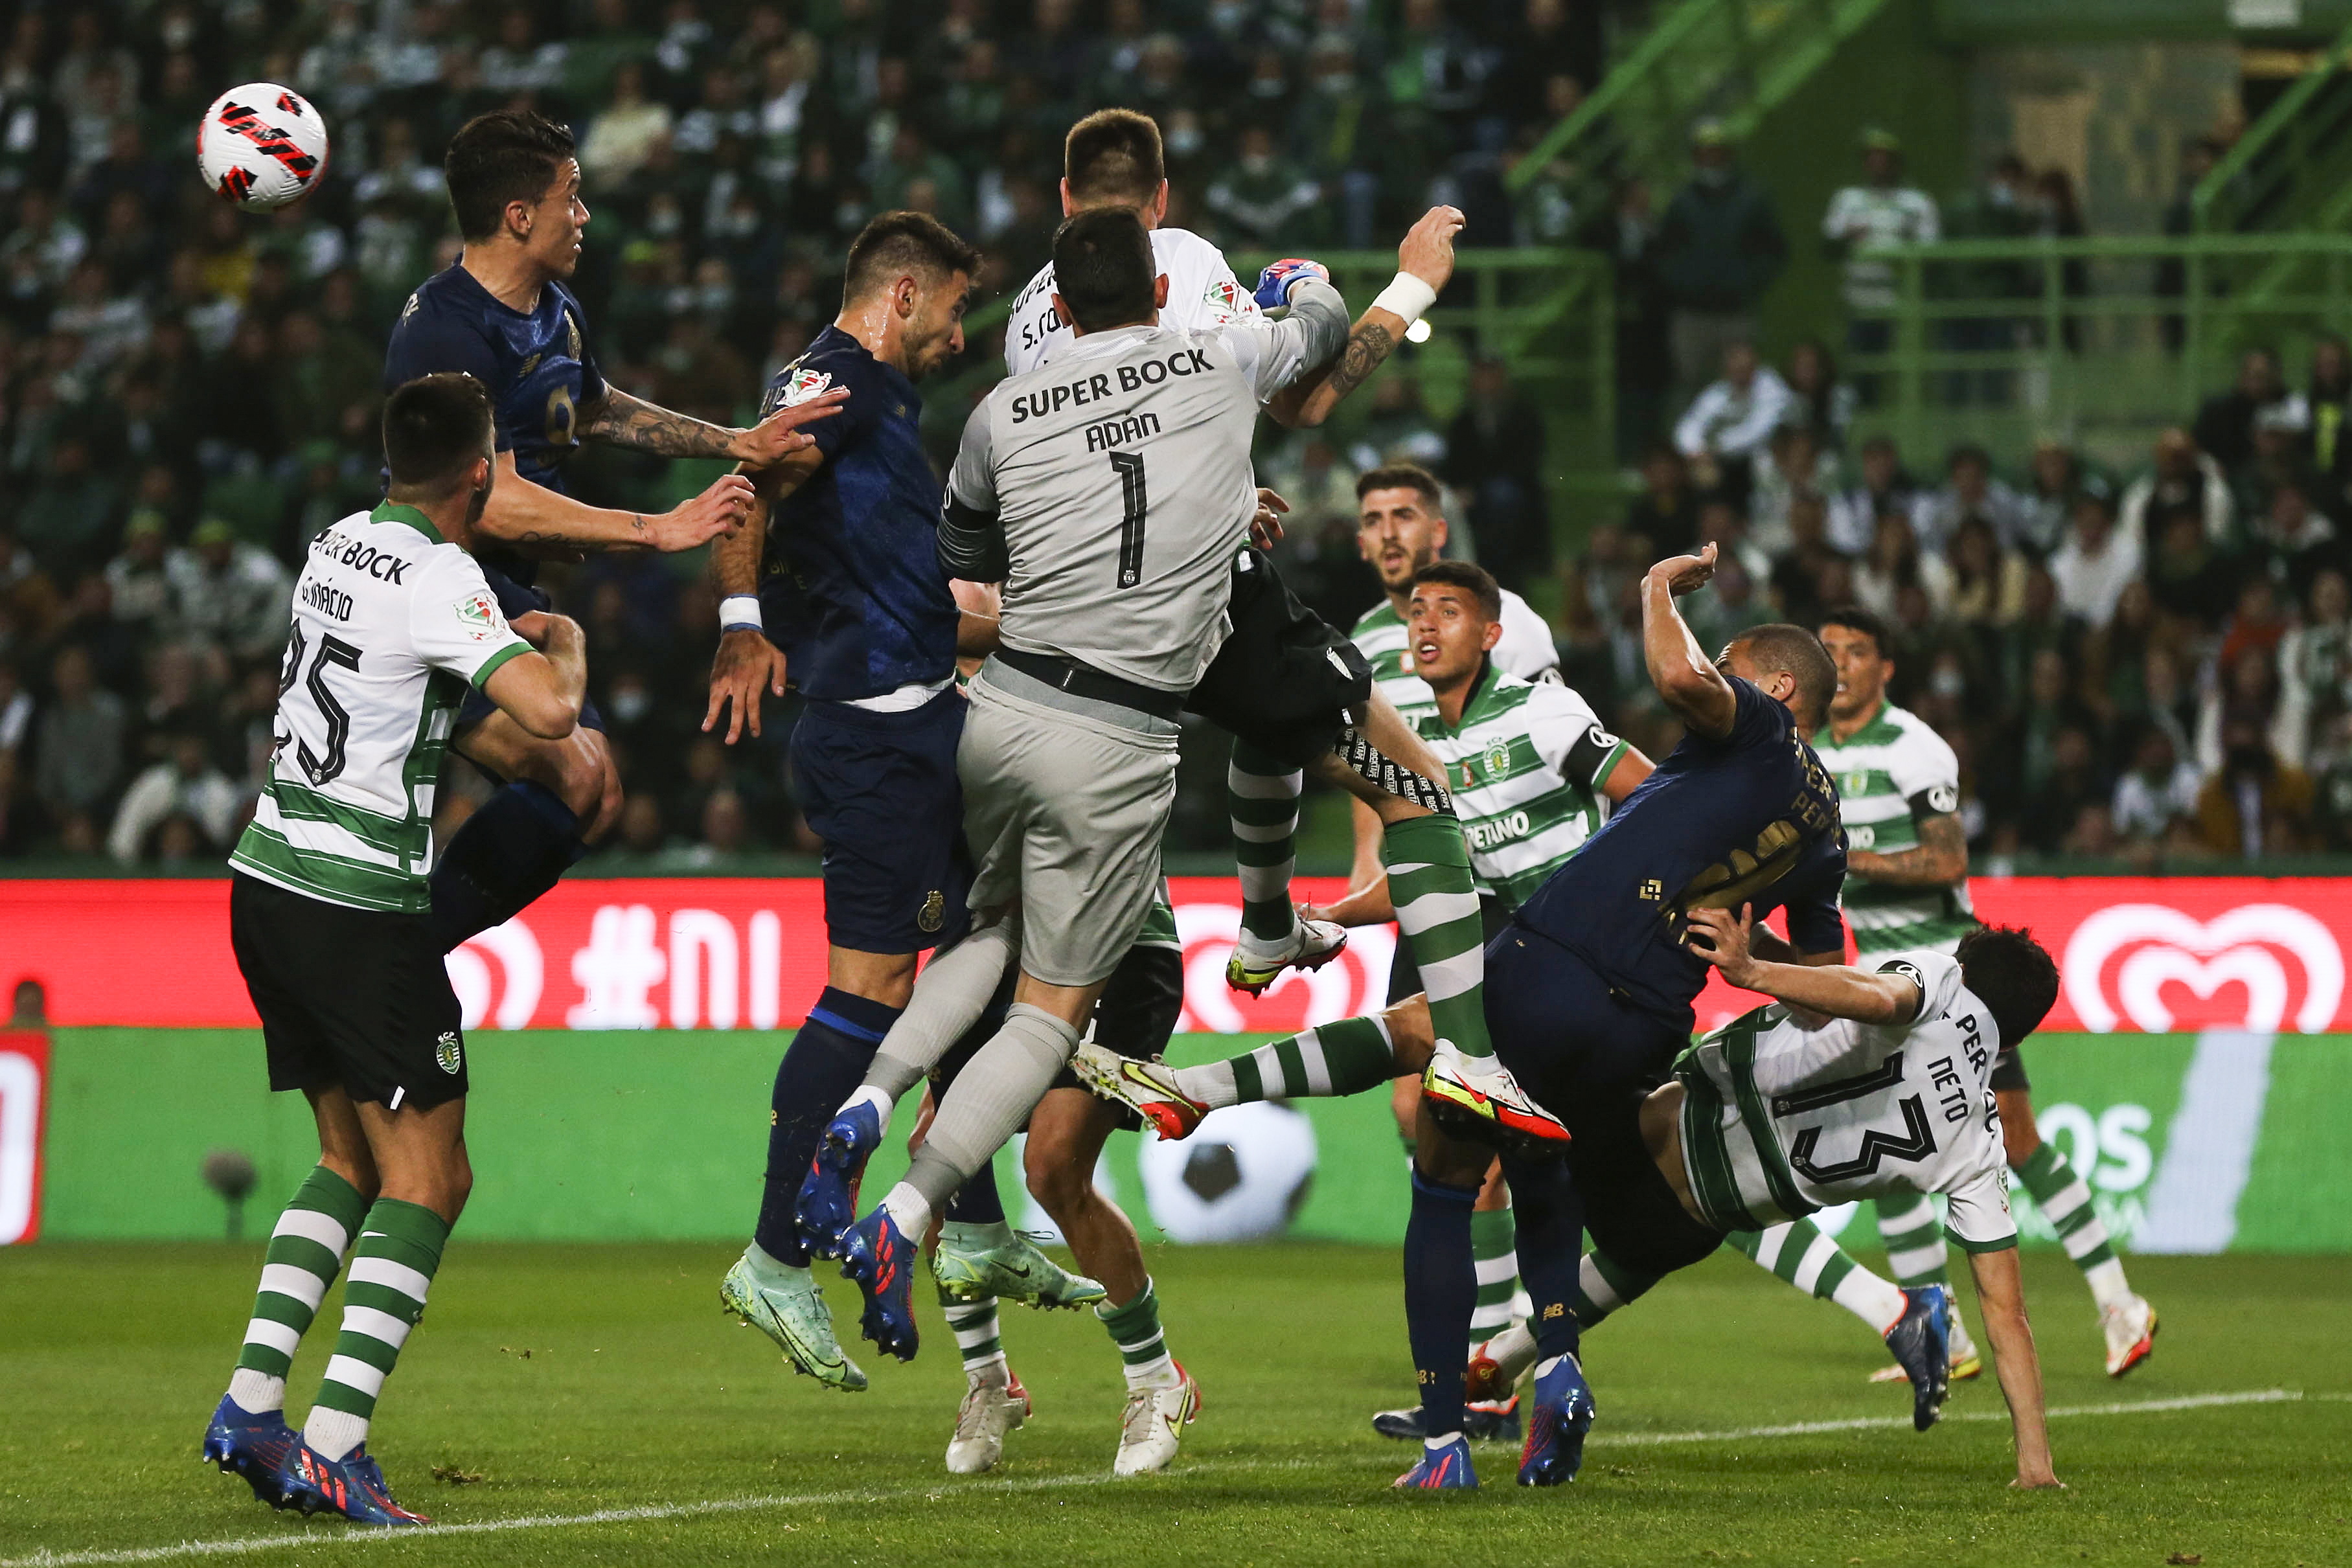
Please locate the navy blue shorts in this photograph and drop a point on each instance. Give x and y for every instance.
(880, 789)
(515, 599)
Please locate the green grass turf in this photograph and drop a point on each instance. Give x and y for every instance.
(579, 1378)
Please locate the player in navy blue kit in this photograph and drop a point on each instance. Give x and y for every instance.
(502, 316)
(1589, 994)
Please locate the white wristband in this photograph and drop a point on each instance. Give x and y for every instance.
(740, 611)
(1406, 298)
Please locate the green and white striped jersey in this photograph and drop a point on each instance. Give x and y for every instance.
(1891, 773)
(1526, 766)
(391, 624)
(1526, 651)
(1784, 1116)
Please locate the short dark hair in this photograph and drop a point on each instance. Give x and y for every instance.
(1400, 477)
(2013, 975)
(507, 155)
(1103, 268)
(1114, 155)
(1854, 618)
(1467, 575)
(898, 243)
(434, 429)
(1777, 648)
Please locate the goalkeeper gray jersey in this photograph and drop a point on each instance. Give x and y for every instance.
(1108, 489)
(1787, 1113)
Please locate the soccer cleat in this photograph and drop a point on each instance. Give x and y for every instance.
(1442, 1469)
(1967, 1362)
(351, 1486)
(1154, 1424)
(1147, 1088)
(988, 1411)
(1921, 1340)
(1497, 1364)
(797, 1319)
(1014, 1271)
(1495, 1421)
(1489, 1103)
(1556, 1434)
(881, 1259)
(252, 1445)
(827, 1204)
(1257, 965)
(2130, 1326)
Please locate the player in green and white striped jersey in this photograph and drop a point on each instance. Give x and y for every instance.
(1906, 891)
(329, 913)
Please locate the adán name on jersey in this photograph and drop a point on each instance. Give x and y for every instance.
(360, 556)
(1124, 431)
(1095, 387)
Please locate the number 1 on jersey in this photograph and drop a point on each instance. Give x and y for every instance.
(1130, 467)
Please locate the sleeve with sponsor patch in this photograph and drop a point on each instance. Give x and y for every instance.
(454, 619)
(1274, 355)
(801, 381)
(1926, 772)
(1574, 741)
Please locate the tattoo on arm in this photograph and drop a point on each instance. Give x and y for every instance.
(625, 421)
(1941, 859)
(1368, 345)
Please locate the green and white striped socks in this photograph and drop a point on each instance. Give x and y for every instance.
(1436, 904)
(1603, 1285)
(1333, 1061)
(1262, 801)
(1493, 1246)
(1800, 1254)
(1916, 1253)
(2065, 1202)
(306, 1252)
(399, 1248)
(974, 1325)
(1142, 1348)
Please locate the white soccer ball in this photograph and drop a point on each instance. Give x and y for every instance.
(1240, 1177)
(262, 146)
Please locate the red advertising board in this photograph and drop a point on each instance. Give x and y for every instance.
(24, 1097)
(2154, 953)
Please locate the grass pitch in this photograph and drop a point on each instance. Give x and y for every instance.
(606, 1412)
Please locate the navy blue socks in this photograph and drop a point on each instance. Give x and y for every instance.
(1441, 1291)
(514, 849)
(1550, 1209)
(823, 1067)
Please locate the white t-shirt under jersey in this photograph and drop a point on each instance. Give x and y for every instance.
(1203, 296)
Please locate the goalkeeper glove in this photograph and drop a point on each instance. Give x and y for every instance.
(1275, 283)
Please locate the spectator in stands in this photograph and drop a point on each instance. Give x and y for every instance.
(1970, 490)
(2047, 503)
(1884, 487)
(2225, 430)
(135, 580)
(1495, 454)
(1798, 467)
(2293, 541)
(185, 783)
(1866, 219)
(1987, 582)
(80, 744)
(230, 593)
(1718, 250)
(2314, 663)
(1729, 426)
(1628, 234)
(1665, 513)
(1822, 404)
(2329, 400)
(2254, 805)
(2184, 482)
(1894, 563)
(2191, 576)
(69, 519)
(1263, 201)
(2155, 804)
(2096, 562)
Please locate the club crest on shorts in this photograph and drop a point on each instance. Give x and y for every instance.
(449, 1055)
(479, 613)
(934, 912)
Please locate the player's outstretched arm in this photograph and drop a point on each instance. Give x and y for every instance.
(542, 692)
(1685, 677)
(541, 521)
(1424, 265)
(632, 422)
(1727, 941)
(2000, 1301)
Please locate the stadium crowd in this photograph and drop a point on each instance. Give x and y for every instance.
(2139, 664)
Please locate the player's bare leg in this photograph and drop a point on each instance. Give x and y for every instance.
(2127, 1319)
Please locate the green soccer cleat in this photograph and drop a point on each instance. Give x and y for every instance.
(794, 1315)
(1012, 1270)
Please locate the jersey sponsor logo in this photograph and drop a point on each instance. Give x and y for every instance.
(1124, 431)
(1096, 387)
(2119, 961)
(1496, 831)
(1861, 836)
(327, 599)
(447, 1054)
(479, 613)
(360, 556)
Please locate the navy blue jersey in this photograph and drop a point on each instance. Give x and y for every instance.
(537, 368)
(1749, 818)
(852, 588)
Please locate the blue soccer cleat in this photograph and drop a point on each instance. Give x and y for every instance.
(1921, 1340)
(827, 1204)
(1555, 1432)
(1442, 1469)
(878, 1256)
(352, 1486)
(244, 1443)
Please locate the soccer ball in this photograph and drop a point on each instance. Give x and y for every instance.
(262, 146)
(1242, 1175)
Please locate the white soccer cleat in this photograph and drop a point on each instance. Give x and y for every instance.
(1257, 965)
(1489, 1103)
(1147, 1088)
(988, 1411)
(1153, 1424)
(2130, 1326)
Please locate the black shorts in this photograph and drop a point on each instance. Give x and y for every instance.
(514, 599)
(351, 997)
(880, 789)
(1284, 679)
(2009, 1072)
(1404, 969)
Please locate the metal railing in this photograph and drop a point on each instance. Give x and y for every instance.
(2289, 166)
(2100, 342)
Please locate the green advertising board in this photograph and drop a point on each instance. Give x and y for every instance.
(2189, 1143)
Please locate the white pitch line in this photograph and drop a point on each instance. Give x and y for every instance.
(336, 1536)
